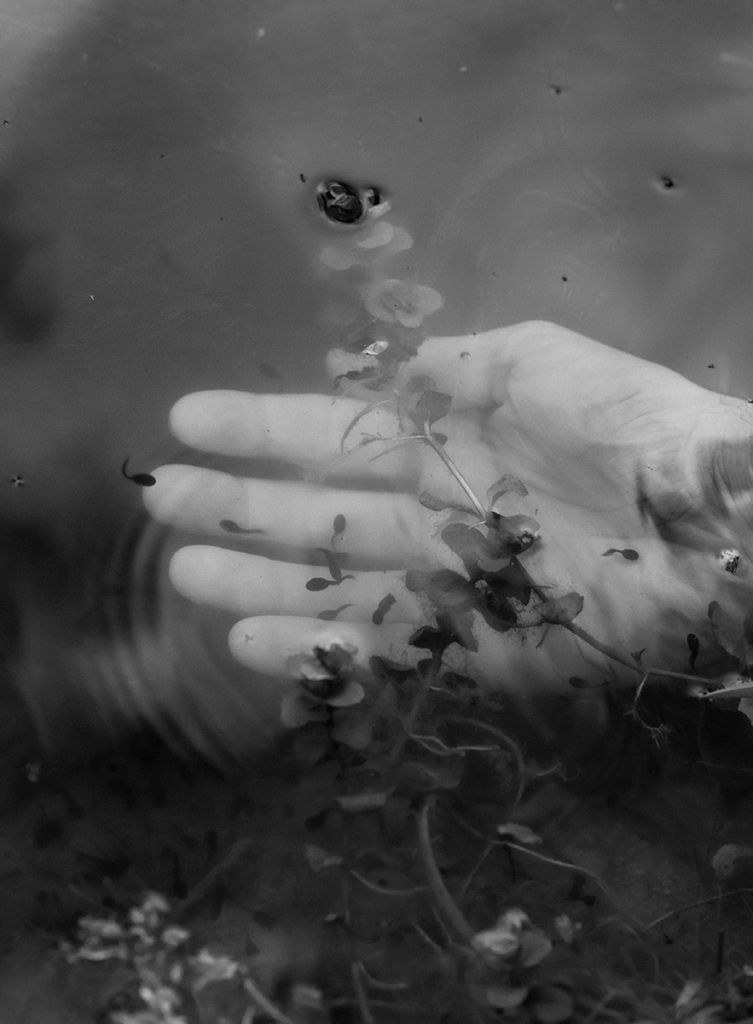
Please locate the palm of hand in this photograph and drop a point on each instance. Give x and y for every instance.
(616, 454)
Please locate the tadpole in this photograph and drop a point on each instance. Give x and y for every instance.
(142, 479)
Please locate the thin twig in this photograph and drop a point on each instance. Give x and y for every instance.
(264, 1004)
(445, 903)
(437, 447)
(692, 906)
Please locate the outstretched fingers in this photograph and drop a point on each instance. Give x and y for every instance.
(266, 643)
(248, 584)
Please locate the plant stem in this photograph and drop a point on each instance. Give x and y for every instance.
(445, 903)
(455, 471)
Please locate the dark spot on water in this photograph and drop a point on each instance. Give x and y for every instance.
(564, 277)
(666, 181)
(710, 366)
(465, 355)
(420, 120)
(302, 176)
(556, 89)
(17, 481)
(142, 479)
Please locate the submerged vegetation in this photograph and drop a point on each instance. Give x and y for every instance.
(406, 851)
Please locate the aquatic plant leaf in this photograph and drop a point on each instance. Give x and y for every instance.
(142, 479)
(429, 407)
(419, 383)
(562, 609)
(458, 625)
(444, 587)
(505, 997)
(337, 658)
(331, 613)
(551, 1004)
(514, 534)
(353, 730)
(319, 859)
(356, 803)
(386, 670)
(729, 858)
(468, 543)
(297, 709)
(430, 501)
(230, 526)
(506, 484)
(350, 693)
(455, 681)
(440, 438)
(429, 638)
(534, 947)
(382, 608)
(512, 582)
(520, 833)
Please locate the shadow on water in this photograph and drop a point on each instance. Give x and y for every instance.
(159, 234)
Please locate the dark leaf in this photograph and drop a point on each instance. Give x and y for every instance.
(445, 588)
(319, 859)
(439, 438)
(431, 639)
(511, 582)
(386, 670)
(419, 383)
(430, 406)
(504, 485)
(468, 543)
(456, 681)
(382, 608)
(514, 534)
(562, 609)
(459, 626)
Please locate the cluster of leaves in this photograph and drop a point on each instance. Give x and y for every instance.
(163, 974)
(377, 751)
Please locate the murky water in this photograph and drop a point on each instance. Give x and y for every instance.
(591, 166)
(588, 163)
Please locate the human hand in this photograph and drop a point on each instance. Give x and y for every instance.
(637, 479)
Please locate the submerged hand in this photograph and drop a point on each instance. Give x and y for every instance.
(637, 478)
